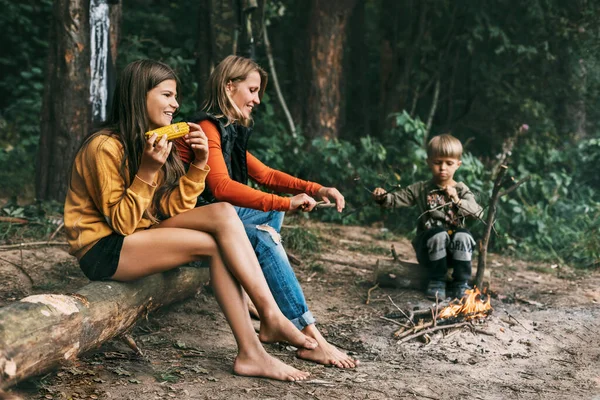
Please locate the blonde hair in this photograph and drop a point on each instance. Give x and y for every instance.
(444, 146)
(232, 69)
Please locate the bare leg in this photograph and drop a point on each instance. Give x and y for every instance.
(325, 353)
(252, 359)
(156, 250)
(222, 222)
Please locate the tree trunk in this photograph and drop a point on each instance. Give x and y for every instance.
(217, 38)
(40, 332)
(357, 87)
(327, 35)
(115, 14)
(66, 113)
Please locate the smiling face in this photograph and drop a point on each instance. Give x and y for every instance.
(161, 104)
(443, 169)
(245, 94)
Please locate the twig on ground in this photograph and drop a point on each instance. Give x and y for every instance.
(62, 225)
(402, 311)
(129, 341)
(20, 268)
(394, 254)
(517, 321)
(14, 220)
(293, 259)
(369, 293)
(393, 322)
(345, 263)
(476, 330)
(32, 244)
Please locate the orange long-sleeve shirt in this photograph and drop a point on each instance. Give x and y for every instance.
(226, 189)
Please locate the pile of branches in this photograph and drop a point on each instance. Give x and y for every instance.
(421, 323)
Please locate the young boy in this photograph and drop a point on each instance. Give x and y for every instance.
(444, 204)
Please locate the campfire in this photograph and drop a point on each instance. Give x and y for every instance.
(473, 307)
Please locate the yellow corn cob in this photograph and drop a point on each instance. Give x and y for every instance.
(172, 131)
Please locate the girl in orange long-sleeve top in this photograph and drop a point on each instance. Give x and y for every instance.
(130, 212)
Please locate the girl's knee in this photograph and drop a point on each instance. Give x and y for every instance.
(225, 213)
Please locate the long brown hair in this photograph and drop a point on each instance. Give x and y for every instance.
(232, 69)
(128, 122)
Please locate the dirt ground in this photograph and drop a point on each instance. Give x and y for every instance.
(542, 338)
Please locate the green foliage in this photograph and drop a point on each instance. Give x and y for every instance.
(43, 218)
(301, 240)
(554, 216)
(153, 30)
(22, 84)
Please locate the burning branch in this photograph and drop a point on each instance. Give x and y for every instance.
(455, 315)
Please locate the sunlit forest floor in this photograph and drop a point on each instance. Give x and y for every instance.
(542, 338)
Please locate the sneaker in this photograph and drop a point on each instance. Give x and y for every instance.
(434, 287)
(459, 288)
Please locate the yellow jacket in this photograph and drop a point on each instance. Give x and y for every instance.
(98, 203)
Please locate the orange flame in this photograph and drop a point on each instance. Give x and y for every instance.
(471, 306)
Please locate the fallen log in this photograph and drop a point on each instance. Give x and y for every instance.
(43, 331)
(399, 274)
(406, 275)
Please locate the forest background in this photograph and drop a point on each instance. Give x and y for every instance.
(367, 83)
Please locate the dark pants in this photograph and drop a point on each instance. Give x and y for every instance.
(437, 250)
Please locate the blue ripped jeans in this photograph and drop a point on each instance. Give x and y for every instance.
(275, 265)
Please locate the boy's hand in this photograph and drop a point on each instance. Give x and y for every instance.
(198, 141)
(379, 195)
(452, 193)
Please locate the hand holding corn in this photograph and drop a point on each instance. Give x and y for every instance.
(155, 154)
(198, 141)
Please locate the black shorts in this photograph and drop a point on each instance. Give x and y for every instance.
(101, 261)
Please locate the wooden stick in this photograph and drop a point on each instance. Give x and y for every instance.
(346, 263)
(32, 244)
(393, 322)
(20, 268)
(394, 254)
(515, 186)
(402, 311)
(14, 220)
(430, 330)
(62, 225)
(286, 111)
(369, 293)
(484, 242)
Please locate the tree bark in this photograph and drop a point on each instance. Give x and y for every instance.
(114, 35)
(66, 112)
(357, 87)
(40, 332)
(217, 38)
(327, 35)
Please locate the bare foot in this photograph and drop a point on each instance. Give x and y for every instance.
(325, 353)
(280, 329)
(265, 366)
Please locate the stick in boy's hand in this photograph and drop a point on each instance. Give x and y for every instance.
(452, 193)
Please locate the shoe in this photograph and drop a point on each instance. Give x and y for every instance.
(434, 287)
(459, 288)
